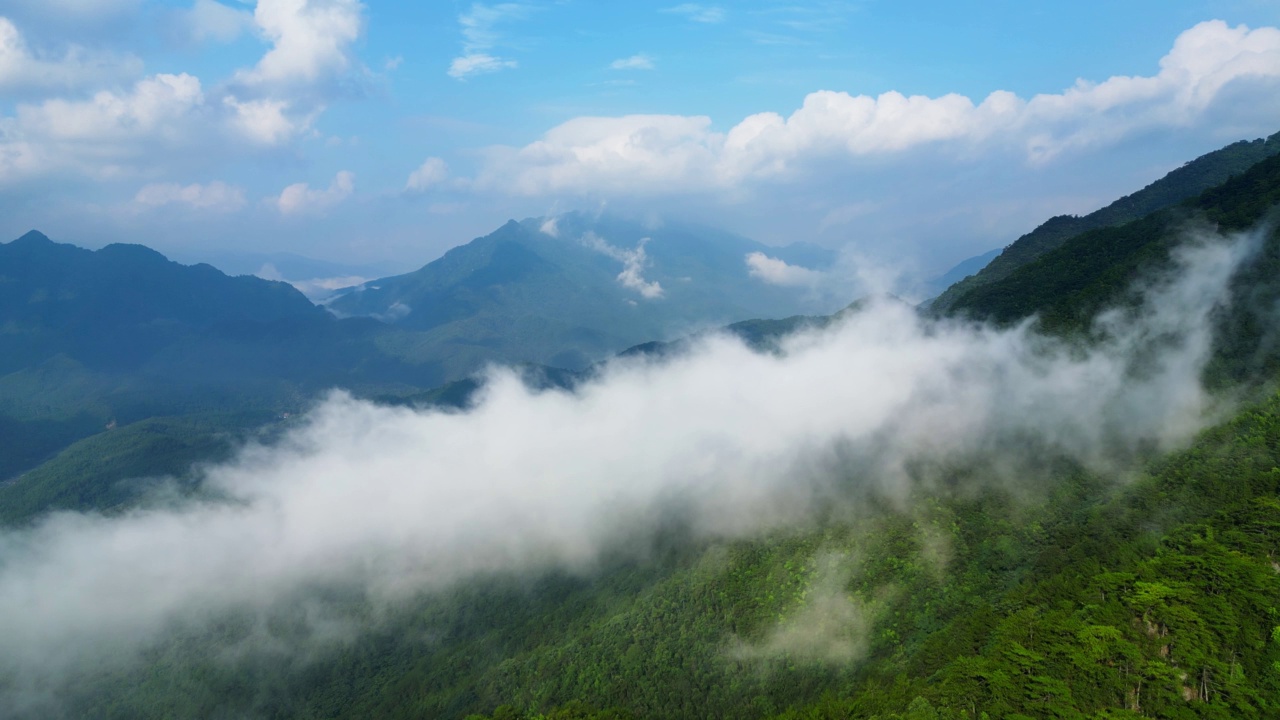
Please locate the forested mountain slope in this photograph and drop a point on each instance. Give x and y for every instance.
(1067, 286)
(1083, 599)
(1190, 180)
(1155, 599)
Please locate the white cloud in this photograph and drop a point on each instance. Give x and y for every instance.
(299, 198)
(156, 105)
(667, 154)
(478, 64)
(310, 39)
(265, 121)
(633, 262)
(698, 13)
(161, 122)
(646, 153)
(210, 20)
(777, 272)
(635, 62)
(21, 70)
(216, 196)
(480, 36)
(106, 135)
(429, 174)
(166, 119)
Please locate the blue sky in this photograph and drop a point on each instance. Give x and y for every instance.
(910, 134)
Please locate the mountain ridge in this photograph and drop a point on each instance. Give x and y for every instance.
(1190, 179)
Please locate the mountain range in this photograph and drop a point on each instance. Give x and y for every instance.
(122, 334)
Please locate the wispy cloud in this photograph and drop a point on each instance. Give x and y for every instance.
(698, 13)
(633, 264)
(480, 36)
(216, 196)
(635, 62)
(778, 272)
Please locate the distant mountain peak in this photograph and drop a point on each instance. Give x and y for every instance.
(33, 237)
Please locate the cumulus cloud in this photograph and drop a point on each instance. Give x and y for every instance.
(21, 70)
(480, 35)
(266, 121)
(163, 120)
(156, 106)
(698, 13)
(668, 154)
(398, 501)
(777, 272)
(429, 174)
(310, 39)
(633, 262)
(300, 198)
(635, 62)
(633, 153)
(167, 116)
(102, 136)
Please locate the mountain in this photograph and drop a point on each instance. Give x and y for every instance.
(570, 290)
(117, 335)
(121, 306)
(962, 270)
(1065, 287)
(1191, 179)
(293, 266)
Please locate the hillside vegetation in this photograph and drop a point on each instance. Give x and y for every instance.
(1188, 181)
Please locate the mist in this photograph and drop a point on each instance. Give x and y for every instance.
(396, 501)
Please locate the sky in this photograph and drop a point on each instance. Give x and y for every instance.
(912, 134)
